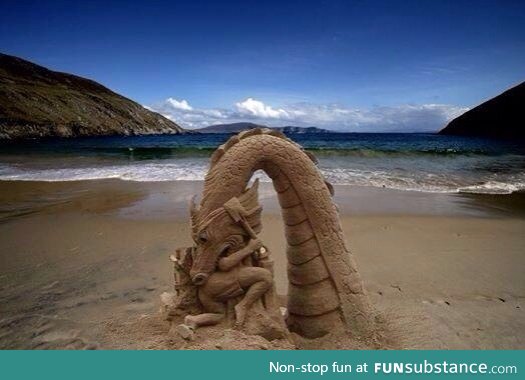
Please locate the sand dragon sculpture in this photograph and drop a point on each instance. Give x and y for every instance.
(227, 275)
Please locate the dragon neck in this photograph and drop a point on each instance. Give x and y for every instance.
(283, 160)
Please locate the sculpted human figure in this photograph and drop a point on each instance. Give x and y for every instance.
(234, 270)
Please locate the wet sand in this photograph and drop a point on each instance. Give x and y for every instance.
(84, 263)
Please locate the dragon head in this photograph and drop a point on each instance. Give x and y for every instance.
(219, 232)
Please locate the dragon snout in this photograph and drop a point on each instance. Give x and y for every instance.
(199, 279)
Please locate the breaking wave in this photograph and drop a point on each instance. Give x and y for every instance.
(161, 171)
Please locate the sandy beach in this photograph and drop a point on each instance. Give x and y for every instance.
(84, 263)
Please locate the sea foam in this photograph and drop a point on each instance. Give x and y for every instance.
(163, 171)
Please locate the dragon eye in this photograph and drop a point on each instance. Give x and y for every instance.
(203, 237)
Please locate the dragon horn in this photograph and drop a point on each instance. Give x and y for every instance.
(193, 215)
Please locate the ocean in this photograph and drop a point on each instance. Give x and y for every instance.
(412, 162)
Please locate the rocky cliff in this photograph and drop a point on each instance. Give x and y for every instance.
(37, 102)
(500, 117)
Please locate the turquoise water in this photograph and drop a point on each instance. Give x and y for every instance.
(419, 162)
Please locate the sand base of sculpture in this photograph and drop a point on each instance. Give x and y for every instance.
(257, 336)
(268, 323)
(225, 281)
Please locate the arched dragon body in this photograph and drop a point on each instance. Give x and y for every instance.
(325, 290)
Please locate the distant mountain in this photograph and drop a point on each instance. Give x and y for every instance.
(37, 102)
(499, 117)
(238, 127)
(229, 128)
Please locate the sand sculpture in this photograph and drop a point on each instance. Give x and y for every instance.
(227, 276)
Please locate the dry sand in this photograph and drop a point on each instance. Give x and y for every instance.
(83, 265)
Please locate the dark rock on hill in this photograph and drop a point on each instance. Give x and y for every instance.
(37, 102)
(500, 117)
(238, 127)
(292, 129)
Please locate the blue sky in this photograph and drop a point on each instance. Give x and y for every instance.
(348, 65)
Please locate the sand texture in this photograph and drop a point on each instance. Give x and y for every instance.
(84, 265)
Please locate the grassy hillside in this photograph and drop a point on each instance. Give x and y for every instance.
(37, 102)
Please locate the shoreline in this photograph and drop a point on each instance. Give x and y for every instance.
(168, 199)
(84, 263)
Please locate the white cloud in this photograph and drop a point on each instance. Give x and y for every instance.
(401, 118)
(181, 105)
(257, 108)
